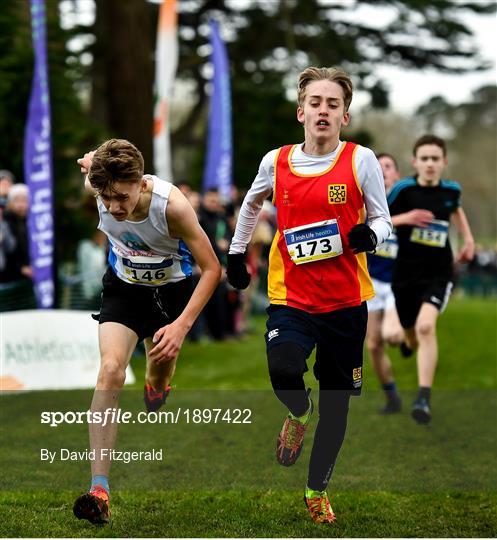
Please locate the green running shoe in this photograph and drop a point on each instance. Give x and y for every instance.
(319, 507)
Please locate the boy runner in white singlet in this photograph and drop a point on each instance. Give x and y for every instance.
(147, 294)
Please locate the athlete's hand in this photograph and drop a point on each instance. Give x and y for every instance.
(168, 341)
(419, 218)
(467, 252)
(362, 238)
(238, 277)
(85, 162)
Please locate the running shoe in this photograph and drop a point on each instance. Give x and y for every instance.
(392, 406)
(291, 439)
(93, 506)
(154, 399)
(405, 351)
(320, 508)
(421, 411)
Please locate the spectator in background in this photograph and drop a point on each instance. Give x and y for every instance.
(213, 221)
(91, 266)
(194, 199)
(479, 276)
(7, 180)
(7, 245)
(7, 240)
(185, 187)
(18, 266)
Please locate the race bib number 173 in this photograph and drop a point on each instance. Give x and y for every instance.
(314, 242)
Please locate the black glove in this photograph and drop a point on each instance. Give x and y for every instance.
(362, 238)
(236, 270)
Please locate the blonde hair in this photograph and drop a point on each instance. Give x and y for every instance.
(332, 74)
(115, 160)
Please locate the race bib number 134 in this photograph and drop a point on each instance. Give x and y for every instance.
(434, 235)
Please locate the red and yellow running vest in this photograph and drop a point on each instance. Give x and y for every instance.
(300, 199)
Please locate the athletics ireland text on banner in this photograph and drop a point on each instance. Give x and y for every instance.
(38, 166)
(218, 168)
(166, 61)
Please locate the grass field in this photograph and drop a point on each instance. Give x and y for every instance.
(393, 478)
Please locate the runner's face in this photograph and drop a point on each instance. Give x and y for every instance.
(323, 113)
(429, 163)
(122, 200)
(390, 172)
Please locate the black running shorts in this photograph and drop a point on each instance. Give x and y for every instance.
(408, 300)
(142, 309)
(337, 335)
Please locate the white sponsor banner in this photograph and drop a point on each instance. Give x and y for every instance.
(166, 62)
(49, 349)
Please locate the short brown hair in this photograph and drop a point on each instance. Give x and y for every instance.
(116, 160)
(331, 74)
(389, 156)
(429, 139)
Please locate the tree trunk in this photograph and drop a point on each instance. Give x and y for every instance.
(124, 71)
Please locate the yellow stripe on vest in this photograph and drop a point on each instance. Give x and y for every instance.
(276, 288)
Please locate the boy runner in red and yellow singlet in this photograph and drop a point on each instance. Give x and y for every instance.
(318, 281)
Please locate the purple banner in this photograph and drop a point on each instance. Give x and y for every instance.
(38, 165)
(218, 168)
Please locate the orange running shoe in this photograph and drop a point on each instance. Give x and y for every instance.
(154, 399)
(93, 506)
(319, 507)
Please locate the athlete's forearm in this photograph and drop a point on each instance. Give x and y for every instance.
(245, 225)
(249, 214)
(207, 284)
(461, 222)
(400, 219)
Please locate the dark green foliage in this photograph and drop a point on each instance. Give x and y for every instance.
(262, 119)
(270, 41)
(470, 130)
(72, 128)
(16, 62)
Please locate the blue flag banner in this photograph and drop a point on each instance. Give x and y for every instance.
(219, 164)
(38, 165)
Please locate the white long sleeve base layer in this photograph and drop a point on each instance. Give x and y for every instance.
(370, 179)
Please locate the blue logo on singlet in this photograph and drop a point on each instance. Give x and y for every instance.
(133, 242)
(311, 233)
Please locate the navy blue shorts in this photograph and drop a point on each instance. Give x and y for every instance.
(337, 335)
